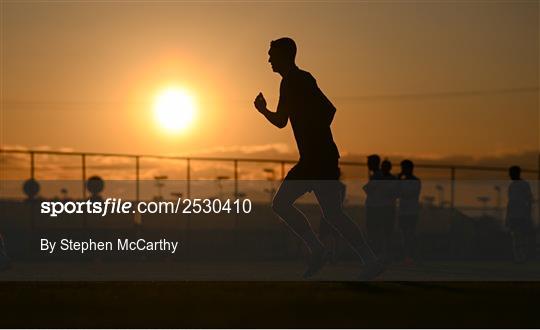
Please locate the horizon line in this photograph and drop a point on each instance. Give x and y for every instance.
(236, 160)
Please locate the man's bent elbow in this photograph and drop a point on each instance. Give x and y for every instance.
(280, 124)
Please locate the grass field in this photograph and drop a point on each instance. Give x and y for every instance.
(426, 299)
(174, 270)
(269, 304)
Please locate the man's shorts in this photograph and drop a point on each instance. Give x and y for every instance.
(327, 170)
(316, 175)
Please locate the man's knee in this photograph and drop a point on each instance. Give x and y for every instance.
(280, 205)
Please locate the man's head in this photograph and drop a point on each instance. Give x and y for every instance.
(373, 162)
(514, 172)
(282, 54)
(386, 166)
(407, 167)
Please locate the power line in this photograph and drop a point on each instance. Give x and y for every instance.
(445, 94)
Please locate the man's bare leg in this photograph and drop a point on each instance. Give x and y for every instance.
(331, 206)
(283, 205)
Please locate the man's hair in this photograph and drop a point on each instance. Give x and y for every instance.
(285, 46)
(407, 164)
(386, 165)
(374, 159)
(515, 171)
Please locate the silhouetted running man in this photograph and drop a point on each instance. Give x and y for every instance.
(311, 113)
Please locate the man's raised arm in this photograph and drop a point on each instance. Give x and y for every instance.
(278, 118)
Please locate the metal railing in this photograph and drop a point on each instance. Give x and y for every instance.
(452, 169)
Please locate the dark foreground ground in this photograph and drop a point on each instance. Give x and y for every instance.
(269, 304)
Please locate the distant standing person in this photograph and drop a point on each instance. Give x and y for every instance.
(374, 204)
(409, 210)
(388, 217)
(519, 217)
(5, 262)
(310, 112)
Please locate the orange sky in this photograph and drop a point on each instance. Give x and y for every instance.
(84, 75)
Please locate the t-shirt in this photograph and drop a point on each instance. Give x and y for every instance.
(519, 200)
(374, 191)
(310, 113)
(389, 189)
(409, 194)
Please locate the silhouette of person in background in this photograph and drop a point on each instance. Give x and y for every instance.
(386, 170)
(388, 212)
(95, 185)
(409, 209)
(311, 113)
(519, 217)
(5, 262)
(374, 203)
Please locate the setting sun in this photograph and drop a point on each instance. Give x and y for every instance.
(174, 110)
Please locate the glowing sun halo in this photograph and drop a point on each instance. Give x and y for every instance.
(174, 110)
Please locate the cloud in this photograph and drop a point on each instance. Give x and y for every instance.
(263, 150)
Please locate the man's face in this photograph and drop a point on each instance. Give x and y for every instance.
(276, 61)
(406, 170)
(514, 175)
(372, 164)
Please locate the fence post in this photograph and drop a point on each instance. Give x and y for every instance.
(236, 215)
(236, 178)
(32, 165)
(137, 179)
(28, 246)
(452, 186)
(83, 163)
(188, 177)
(187, 236)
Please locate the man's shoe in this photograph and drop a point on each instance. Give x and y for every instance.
(316, 262)
(372, 270)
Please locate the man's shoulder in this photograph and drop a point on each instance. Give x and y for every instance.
(524, 184)
(301, 76)
(414, 177)
(520, 184)
(376, 176)
(298, 81)
(303, 73)
(519, 187)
